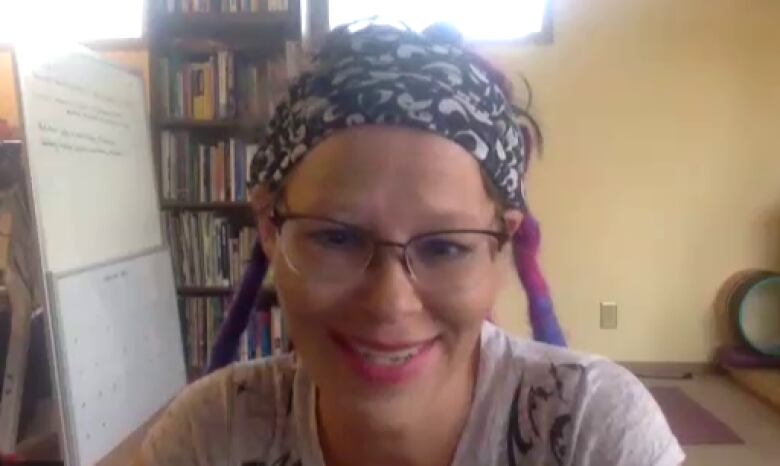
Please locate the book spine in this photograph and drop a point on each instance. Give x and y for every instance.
(179, 94)
(221, 172)
(234, 152)
(251, 331)
(213, 87)
(208, 89)
(216, 251)
(197, 89)
(165, 157)
(276, 331)
(165, 87)
(210, 331)
(243, 355)
(210, 251)
(181, 229)
(234, 261)
(189, 88)
(265, 327)
(190, 332)
(231, 85)
(203, 170)
(185, 154)
(215, 183)
(238, 166)
(172, 165)
(249, 155)
(225, 272)
(201, 319)
(232, 165)
(222, 84)
(225, 146)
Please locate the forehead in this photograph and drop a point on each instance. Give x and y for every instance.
(386, 170)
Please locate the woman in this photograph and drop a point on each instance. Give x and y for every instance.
(390, 182)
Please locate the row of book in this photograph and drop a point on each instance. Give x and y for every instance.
(220, 86)
(264, 336)
(197, 171)
(208, 249)
(226, 6)
(202, 318)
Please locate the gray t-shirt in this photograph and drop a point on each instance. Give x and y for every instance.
(534, 405)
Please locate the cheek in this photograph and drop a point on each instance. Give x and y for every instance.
(468, 307)
(306, 305)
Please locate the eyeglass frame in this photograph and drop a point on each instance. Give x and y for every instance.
(278, 220)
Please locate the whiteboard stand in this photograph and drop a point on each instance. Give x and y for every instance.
(18, 290)
(110, 299)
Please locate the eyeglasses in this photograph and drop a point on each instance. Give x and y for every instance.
(330, 251)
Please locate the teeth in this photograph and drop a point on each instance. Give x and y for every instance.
(385, 358)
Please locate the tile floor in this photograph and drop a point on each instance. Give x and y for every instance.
(752, 419)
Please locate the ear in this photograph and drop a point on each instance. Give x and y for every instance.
(512, 220)
(267, 235)
(261, 200)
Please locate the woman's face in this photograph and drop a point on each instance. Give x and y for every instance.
(381, 336)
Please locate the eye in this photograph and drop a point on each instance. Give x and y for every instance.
(336, 238)
(438, 249)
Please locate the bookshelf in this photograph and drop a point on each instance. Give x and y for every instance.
(217, 69)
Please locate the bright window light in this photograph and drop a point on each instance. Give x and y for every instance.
(476, 20)
(75, 20)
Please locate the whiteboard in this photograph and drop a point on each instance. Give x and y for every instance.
(118, 348)
(110, 298)
(89, 150)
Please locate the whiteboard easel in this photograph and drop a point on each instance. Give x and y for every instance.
(20, 290)
(110, 300)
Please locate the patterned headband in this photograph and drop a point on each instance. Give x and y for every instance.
(383, 75)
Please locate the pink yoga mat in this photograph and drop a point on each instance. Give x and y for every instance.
(690, 422)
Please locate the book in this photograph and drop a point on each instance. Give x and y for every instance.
(220, 87)
(265, 333)
(201, 248)
(276, 331)
(204, 171)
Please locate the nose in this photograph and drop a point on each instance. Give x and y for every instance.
(388, 289)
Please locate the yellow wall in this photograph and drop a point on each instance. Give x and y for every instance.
(135, 59)
(661, 174)
(661, 171)
(8, 110)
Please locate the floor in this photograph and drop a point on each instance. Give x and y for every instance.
(752, 419)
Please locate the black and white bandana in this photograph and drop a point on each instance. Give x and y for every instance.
(383, 75)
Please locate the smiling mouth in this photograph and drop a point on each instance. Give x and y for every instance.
(388, 358)
(382, 360)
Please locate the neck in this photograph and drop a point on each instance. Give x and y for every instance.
(423, 431)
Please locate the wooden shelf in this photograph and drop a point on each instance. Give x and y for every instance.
(194, 123)
(232, 206)
(204, 290)
(230, 23)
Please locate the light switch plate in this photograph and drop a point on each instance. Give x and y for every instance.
(609, 315)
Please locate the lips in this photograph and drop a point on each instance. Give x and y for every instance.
(388, 358)
(385, 362)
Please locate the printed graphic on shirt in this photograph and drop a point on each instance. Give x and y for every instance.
(540, 414)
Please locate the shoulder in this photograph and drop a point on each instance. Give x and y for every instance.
(574, 408)
(243, 397)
